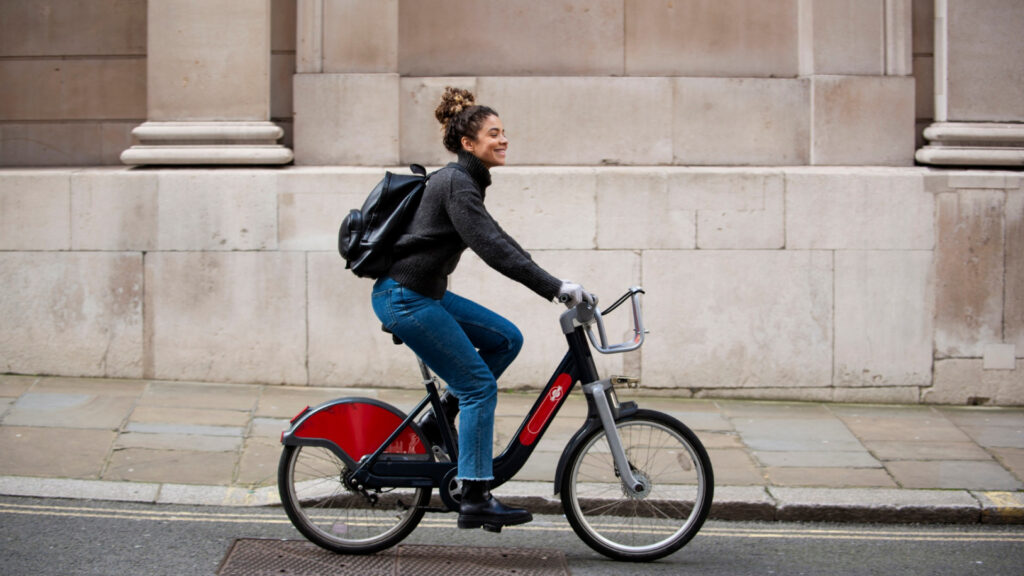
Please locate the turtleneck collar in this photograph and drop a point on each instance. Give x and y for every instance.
(476, 169)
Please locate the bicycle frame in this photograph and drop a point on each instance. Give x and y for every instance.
(400, 459)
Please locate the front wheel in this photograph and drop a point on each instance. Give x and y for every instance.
(625, 524)
(335, 516)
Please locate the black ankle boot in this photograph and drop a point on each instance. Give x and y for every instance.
(481, 510)
(428, 423)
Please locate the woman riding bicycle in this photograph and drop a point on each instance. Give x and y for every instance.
(465, 344)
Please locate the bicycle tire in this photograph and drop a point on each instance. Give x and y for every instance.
(334, 516)
(666, 455)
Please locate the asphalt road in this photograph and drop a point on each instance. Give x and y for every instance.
(67, 538)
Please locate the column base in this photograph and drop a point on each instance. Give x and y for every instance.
(973, 144)
(221, 143)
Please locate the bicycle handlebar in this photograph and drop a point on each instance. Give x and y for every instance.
(587, 315)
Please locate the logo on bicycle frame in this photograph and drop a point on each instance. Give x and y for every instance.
(546, 410)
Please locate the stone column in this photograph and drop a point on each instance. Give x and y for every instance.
(979, 85)
(208, 86)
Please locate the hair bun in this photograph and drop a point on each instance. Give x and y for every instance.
(453, 101)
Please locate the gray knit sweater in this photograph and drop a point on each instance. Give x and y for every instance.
(451, 217)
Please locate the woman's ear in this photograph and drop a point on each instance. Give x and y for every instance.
(467, 144)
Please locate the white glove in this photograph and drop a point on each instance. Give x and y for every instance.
(572, 294)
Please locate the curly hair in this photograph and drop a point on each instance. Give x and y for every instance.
(460, 115)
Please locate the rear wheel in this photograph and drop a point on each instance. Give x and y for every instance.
(625, 524)
(338, 517)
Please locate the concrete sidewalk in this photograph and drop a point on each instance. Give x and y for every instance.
(196, 443)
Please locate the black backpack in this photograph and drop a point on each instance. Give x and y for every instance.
(368, 234)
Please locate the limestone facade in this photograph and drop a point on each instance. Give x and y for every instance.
(751, 164)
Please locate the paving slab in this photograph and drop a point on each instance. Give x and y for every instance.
(176, 466)
(53, 452)
(973, 475)
(12, 385)
(240, 397)
(1012, 459)
(917, 450)
(831, 477)
(817, 459)
(63, 410)
(192, 416)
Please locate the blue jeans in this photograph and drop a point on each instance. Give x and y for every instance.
(467, 346)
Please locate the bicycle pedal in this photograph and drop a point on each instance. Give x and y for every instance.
(440, 454)
(495, 528)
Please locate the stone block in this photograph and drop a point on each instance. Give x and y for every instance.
(421, 132)
(864, 209)
(226, 317)
(738, 319)
(361, 37)
(966, 382)
(64, 144)
(969, 271)
(346, 119)
(863, 120)
(1000, 357)
(984, 43)
(879, 395)
(56, 28)
(71, 313)
(312, 203)
(346, 344)
(34, 210)
(77, 89)
(566, 37)
(739, 210)
(114, 210)
(217, 210)
(849, 37)
(636, 210)
(712, 38)
(634, 112)
(1013, 287)
(208, 61)
(606, 273)
(883, 318)
(546, 208)
(741, 121)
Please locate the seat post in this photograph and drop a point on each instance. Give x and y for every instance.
(427, 375)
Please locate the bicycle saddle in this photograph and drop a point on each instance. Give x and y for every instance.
(395, 339)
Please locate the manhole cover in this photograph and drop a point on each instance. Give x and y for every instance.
(254, 557)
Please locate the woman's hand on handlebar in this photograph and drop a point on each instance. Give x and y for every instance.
(572, 294)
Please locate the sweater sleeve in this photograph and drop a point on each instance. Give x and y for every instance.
(486, 238)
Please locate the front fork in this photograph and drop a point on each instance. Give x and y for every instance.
(602, 398)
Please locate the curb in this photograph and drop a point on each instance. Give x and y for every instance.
(731, 503)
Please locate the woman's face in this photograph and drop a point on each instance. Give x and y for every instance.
(490, 143)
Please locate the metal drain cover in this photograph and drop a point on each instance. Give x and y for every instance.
(255, 557)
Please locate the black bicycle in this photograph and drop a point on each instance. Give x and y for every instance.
(356, 474)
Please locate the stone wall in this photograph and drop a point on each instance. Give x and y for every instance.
(749, 163)
(613, 82)
(74, 77)
(853, 284)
